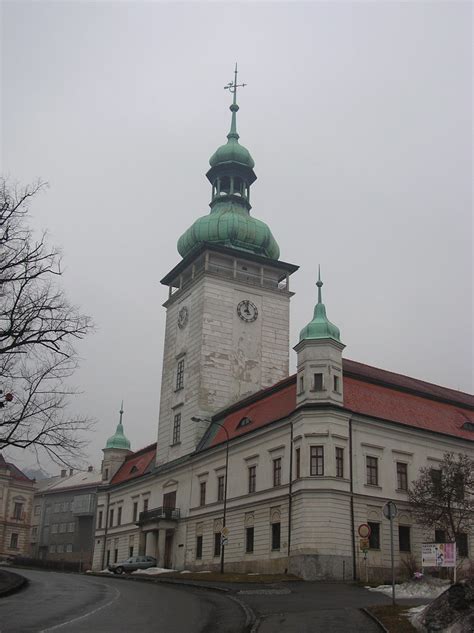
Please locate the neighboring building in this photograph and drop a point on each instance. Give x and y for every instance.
(63, 517)
(16, 497)
(311, 456)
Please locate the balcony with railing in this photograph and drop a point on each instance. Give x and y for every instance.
(156, 514)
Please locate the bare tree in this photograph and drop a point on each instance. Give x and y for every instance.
(38, 327)
(443, 497)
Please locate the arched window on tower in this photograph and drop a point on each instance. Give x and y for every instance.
(225, 186)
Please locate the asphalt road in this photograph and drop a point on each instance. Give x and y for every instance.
(72, 603)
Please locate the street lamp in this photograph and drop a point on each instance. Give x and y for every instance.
(196, 419)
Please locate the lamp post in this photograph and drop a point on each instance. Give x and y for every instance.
(224, 512)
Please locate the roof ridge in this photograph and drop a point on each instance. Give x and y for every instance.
(145, 449)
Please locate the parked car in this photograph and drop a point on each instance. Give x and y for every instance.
(132, 564)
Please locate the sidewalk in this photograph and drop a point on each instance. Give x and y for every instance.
(11, 583)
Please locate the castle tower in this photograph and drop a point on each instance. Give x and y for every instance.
(116, 450)
(319, 364)
(227, 314)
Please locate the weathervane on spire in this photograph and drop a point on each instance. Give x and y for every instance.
(233, 85)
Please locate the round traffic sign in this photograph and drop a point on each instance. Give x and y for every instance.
(364, 530)
(390, 510)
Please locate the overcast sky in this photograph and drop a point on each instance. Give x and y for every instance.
(358, 117)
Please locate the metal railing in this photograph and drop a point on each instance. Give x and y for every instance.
(159, 513)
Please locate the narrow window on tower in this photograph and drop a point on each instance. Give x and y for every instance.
(336, 384)
(318, 382)
(177, 428)
(220, 488)
(339, 462)
(180, 375)
(277, 472)
(316, 461)
(298, 463)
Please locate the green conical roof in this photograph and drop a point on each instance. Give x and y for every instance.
(229, 223)
(320, 327)
(118, 439)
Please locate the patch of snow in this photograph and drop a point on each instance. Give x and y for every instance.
(152, 571)
(185, 571)
(253, 573)
(413, 589)
(205, 571)
(102, 571)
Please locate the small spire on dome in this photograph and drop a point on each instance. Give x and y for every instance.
(232, 88)
(121, 412)
(319, 284)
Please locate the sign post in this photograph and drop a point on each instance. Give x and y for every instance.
(390, 512)
(364, 533)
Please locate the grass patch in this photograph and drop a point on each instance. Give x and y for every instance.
(393, 618)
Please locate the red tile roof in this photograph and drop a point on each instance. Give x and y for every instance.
(135, 465)
(368, 391)
(15, 472)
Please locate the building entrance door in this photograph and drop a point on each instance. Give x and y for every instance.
(168, 548)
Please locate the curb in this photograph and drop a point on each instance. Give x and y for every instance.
(15, 583)
(375, 619)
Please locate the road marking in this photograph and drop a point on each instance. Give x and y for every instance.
(86, 615)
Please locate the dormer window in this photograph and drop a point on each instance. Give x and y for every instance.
(244, 422)
(133, 469)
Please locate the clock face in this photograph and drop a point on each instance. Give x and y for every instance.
(183, 315)
(247, 311)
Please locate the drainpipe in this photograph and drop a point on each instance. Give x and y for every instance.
(354, 568)
(290, 492)
(106, 529)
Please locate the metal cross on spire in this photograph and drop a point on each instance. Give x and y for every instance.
(233, 85)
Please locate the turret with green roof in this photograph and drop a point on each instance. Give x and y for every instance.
(116, 449)
(229, 223)
(319, 366)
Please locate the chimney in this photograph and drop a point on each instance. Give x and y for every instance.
(89, 469)
(71, 472)
(63, 473)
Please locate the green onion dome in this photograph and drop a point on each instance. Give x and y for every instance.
(320, 327)
(229, 224)
(233, 152)
(118, 439)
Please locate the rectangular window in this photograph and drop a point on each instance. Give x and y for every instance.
(318, 382)
(111, 518)
(54, 528)
(339, 462)
(145, 505)
(34, 531)
(115, 555)
(100, 519)
(71, 526)
(301, 383)
(177, 428)
(14, 541)
(135, 511)
(298, 463)
(108, 557)
(404, 538)
(317, 460)
(130, 551)
(436, 478)
(372, 471)
(374, 538)
(220, 488)
(402, 476)
(119, 516)
(62, 528)
(37, 510)
(69, 547)
(440, 536)
(180, 375)
(252, 478)
(60, 549)
(52, 549)
(18, 511)
(336, 384)
(277, 472)
(249, 540)
(217, 544)
(202, 493)
(199, 546)
(275, 536)
(57, 507)
(462, 546)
